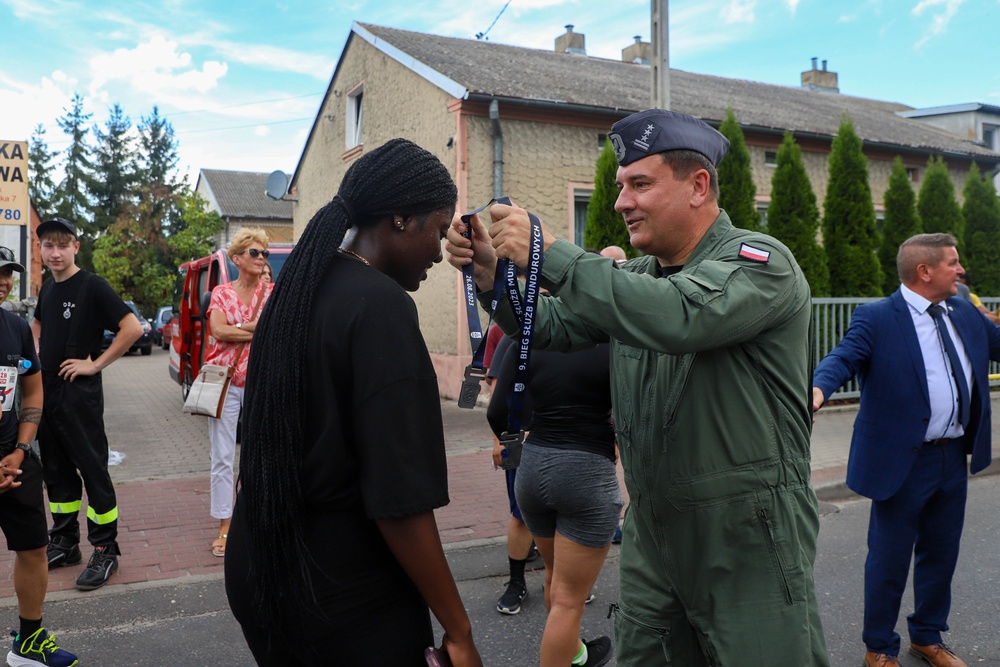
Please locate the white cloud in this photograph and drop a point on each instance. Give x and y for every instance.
(28, 105)
(155, 66)
(792, 5)
(739, 11)
(26, 9)
(946, 10)
(275, 58)
(262, 131)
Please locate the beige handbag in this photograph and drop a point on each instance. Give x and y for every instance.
(208, 391)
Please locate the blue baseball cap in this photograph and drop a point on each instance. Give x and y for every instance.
(657, 131)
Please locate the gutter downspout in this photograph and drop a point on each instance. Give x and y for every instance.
(497, 149)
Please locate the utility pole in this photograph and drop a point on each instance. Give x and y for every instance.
(660, 69)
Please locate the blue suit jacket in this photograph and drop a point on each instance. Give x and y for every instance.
(881, 349)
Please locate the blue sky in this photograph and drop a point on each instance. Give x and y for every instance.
(242, 81)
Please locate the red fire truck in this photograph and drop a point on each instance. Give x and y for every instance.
(189, 328)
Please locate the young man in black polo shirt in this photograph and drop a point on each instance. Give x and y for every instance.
(22, 506)
(74, 309)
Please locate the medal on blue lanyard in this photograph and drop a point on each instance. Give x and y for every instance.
(475, 372)
(505, 279)
(513, 438)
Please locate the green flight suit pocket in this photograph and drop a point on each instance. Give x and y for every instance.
(647, 641)
(706, 283)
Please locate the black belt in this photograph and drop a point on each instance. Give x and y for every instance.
(940, 441)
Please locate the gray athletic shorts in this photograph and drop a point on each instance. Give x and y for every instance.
(575, 493)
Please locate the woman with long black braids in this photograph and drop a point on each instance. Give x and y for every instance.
(334, 555)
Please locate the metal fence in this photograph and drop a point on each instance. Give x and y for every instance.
(831, 316)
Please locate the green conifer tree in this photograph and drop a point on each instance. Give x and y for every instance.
(936, 203)
(849, 233)
(41, 185)
(981, 212)
(114, 169)
(737, 192)
(604, 224)
(793, 217)
(72, 199)
(901, 222)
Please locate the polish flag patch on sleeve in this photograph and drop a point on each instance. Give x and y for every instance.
(754, 254)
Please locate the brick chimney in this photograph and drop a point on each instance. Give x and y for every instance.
(571, 42)
(820, 79)
(639, 53)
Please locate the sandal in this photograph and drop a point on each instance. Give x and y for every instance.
(219, 546)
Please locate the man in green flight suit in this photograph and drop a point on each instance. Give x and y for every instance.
(711, 392)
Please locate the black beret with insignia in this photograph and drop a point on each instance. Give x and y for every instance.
(657, 131)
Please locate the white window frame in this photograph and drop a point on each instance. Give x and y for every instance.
(355, 116)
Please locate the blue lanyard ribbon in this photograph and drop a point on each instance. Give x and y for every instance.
(505, 280)
(525, 313)
(475, 372)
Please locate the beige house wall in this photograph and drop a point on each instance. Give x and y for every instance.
(539, 160)
(396, 103)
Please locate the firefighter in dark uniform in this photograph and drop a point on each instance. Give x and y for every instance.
(74, 309)
(710, 387)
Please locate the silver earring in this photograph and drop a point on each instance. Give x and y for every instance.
(399, 225)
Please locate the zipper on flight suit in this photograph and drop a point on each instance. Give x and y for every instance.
(772, 543)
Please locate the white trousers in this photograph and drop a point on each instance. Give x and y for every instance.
(222, 434)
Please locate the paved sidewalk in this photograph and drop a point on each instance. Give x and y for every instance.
(162, 484)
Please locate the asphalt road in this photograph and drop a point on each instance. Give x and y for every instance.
(189, 625)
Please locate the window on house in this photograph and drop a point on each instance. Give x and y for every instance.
(762, 212)
(770, 159)
(355, 117)
(990, 136)
(581, 200)
(912, 173)
(601, 140)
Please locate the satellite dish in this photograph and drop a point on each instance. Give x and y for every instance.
(277, 185)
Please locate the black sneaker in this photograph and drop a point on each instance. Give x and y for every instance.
(532, 554)
(590, 598)
(101, 566)
(598, 652)
(61, 552)
(510, 601)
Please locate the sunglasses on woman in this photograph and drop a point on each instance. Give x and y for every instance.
(253, 252)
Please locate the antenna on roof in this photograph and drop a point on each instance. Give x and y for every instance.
(482, 35)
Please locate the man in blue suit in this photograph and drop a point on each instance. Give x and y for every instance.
(922, 358)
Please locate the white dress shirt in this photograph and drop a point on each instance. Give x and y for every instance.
(940, 382)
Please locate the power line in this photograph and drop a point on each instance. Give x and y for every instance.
(245, 104)
(243, 127)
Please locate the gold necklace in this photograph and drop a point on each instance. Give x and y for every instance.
(355, 255)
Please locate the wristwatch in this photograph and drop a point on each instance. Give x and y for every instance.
(239, 325)
(24, 447)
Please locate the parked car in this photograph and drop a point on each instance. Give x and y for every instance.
(145, 342)
(161, 332)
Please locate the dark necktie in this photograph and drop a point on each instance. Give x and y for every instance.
(956, 364)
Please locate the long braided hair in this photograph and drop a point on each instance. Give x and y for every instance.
(397, 178)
